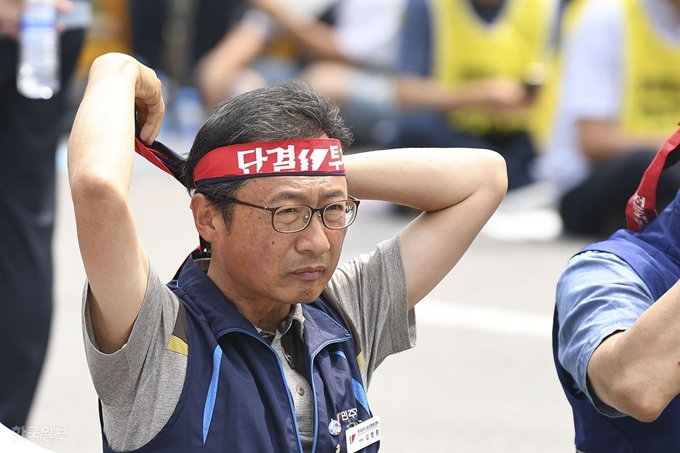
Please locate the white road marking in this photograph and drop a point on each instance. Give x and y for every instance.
(483, 319)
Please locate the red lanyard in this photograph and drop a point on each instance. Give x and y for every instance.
(641, 207)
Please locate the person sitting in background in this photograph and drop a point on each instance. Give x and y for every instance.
(464, 72)
(620, 96)
(203, 23)
(348, 53)
(151, 21)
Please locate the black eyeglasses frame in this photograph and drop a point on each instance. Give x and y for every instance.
(320, 210)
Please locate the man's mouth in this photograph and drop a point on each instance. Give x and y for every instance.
(309, 273)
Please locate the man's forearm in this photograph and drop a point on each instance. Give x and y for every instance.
(636, 371)
(429, 179)
(417, 92)
(493, 93)
(102, 136)
(311, 33)
(601, 140)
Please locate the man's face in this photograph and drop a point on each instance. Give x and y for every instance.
(258, 264)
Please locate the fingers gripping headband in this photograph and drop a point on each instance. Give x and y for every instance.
(641, 207)
(299, 157)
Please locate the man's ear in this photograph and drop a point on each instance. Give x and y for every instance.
(205, 217)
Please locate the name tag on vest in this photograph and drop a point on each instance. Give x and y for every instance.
(363, 434)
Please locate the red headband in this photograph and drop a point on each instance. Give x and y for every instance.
(641, 207)
(305, 157)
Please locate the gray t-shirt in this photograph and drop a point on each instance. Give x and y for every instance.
(139, 385)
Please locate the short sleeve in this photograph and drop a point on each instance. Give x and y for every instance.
(372, 291)
(598, 294)
(138, 385)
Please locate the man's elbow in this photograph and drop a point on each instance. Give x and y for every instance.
(496, 174)
(642, 401)
(94, 186)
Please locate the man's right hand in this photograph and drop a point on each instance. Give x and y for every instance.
(149, 104)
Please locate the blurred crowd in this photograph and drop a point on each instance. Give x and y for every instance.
(577, 95)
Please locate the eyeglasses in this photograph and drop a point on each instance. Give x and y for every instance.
(293, 218)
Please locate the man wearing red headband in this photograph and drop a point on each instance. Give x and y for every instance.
(615, 336)
(260, 343)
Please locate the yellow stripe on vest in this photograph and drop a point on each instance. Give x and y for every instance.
(178, 345)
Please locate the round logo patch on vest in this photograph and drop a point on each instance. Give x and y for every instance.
(335, 427)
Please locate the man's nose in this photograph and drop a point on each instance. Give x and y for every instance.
(314, 238)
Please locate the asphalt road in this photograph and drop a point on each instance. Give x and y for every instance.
(480, 380)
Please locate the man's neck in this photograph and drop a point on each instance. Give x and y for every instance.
(264, 314)
(267, 317)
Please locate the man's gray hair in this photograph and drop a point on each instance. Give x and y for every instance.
(290, 109)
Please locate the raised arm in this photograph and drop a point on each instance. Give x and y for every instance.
(414, 92)
(458, 190)
(100, 159)
(636, 370)
(602, 139)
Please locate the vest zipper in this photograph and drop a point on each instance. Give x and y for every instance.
(291, 405)
(311, 368)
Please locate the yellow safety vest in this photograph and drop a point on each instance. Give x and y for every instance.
(651, 100)
(467, 49)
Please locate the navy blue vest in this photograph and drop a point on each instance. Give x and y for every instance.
(654, 253)
(235, 397)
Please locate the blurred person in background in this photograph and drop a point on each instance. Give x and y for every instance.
(346, 49)
(619, 98)
(547, 99)
(150, 26)
(29, 132)
(467, 74)
(202, 23)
